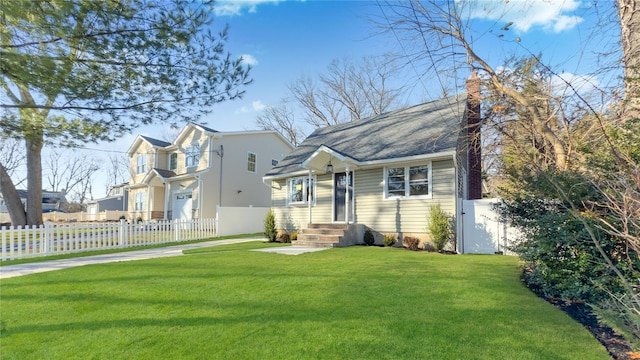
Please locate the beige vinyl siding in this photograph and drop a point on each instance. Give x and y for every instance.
(296, 217)
(322, 211)
(401, 215)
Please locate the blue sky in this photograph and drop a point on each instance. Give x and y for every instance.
(284, 40)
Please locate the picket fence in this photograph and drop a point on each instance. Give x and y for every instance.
(55, 239)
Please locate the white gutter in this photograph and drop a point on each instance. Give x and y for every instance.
(374, 163)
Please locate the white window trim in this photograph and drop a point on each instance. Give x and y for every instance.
(169, 161)
(141, 164)
(385, 193)
(139, 201)
(255, 162)
(304, 201)
(195, 156)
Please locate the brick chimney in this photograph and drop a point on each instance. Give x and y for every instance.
(474, 155)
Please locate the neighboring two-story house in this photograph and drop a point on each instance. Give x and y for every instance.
(201, 169)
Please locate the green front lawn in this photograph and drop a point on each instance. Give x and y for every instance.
(231, 303)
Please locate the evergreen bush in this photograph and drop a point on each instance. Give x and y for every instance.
(368, 237)
(389, 240)
(270, 226)
(439, 226)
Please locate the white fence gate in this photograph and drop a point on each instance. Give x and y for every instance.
(483, 230)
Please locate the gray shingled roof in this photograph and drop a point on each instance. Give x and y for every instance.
(428, 128)
(206, 128)
(156, 142)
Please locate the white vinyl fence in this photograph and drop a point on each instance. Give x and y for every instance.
(240, 220)
(55, 239)
(483, 230)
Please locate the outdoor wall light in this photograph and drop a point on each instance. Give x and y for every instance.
(329, 167)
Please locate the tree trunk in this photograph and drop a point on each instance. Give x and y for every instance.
(34, 180)
(629, 13)
(12, 199)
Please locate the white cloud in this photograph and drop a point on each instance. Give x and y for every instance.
(566, 23)
(551, 15)
(583, 84)
(256, 106)
(238, 7)
(249, 59)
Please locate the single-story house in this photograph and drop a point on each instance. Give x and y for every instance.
(381, 173)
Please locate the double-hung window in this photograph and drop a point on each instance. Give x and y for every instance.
(192, 156)
(141, 164)
(408, 181)
(251, 162)
(173, 161)
(301, 190)
(139, 204)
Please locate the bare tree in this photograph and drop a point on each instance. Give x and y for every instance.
(12, 158)
(71, 173)
(280, 118)
(628, 12)
(348, 91)
(118, 171)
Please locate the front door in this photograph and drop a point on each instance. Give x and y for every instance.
(340, 195)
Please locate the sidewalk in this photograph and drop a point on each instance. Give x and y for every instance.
(38, 267)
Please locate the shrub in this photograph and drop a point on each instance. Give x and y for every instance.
(294, 236)
(139, 219)
(411, 243)
(389, 240)
(368, 237)
(439, 226)
(270, 226)
(284, 238)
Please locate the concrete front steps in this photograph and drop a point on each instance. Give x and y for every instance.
(327, 235)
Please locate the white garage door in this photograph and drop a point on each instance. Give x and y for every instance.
(182, 207)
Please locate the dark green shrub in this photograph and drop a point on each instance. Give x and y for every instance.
(284, 238)
(439, 226)
(389, 240)
(139, 219)
(560, 258)
(368, 237)
(411, 243)
(270, 226)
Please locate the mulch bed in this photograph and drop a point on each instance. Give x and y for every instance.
(616, 345)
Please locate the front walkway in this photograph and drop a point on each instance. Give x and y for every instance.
(38, 267)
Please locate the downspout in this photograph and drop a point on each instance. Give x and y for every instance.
(200, 196)
(458, 208)
(346, 200)
(221, 153)
(310, 199)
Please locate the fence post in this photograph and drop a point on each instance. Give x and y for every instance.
(45, 239)
(176, 223)
(121, 233)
